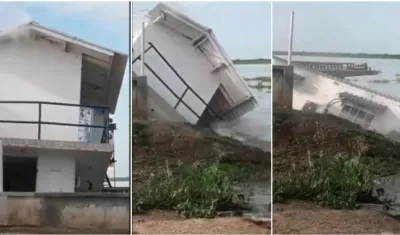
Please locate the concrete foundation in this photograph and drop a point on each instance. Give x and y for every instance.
(139, 97)
(283, 85)
(66, 210)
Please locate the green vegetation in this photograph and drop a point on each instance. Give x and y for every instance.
(262, 79)
(263, 83)
(195, 172)
(260, 86)
(397, 77)
(340, 54)
(339, 182)
(328, 160)
(379, 81)
(252, 61)
(196, 191)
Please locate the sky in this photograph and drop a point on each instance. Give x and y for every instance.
(102, 23)
(353, 27)
(242, 28)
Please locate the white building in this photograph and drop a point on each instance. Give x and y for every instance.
(320, 92)
(190, 77)
(46, 79)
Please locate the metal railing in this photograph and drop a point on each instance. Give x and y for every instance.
(106, 127)
(188, 88)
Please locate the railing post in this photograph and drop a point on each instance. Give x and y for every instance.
(107, 125)
(40, 121)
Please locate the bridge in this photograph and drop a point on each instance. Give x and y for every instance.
(339, 69)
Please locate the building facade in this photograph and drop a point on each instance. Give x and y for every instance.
(56, 95)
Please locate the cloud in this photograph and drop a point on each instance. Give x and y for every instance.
(12, 15)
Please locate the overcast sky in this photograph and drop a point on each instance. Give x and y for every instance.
(369, 27)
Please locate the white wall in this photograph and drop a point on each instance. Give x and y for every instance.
(55, 174)
(99, 118)
(190, 64)
(39, 71)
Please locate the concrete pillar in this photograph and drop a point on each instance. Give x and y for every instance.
(283, 85)
(139, 97)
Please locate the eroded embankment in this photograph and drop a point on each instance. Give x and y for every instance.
(157, 144)
(332, 164)
(300, 136)
(193, 173)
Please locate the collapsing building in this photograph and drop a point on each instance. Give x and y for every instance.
(315, 91)
(190, 77)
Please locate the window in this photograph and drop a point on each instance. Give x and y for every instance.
(357, 116)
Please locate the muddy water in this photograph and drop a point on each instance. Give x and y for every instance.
(391, 187)
(254, 129)
(258, 193)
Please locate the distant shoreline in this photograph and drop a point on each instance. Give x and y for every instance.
(252, 61)
(341, 54)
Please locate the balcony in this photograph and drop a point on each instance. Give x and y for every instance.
(54, 121)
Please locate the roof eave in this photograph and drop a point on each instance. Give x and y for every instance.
(116, 77)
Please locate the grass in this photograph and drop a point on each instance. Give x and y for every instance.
(382, 81)
(195, 191)
(339, 182)
(261, 79)
(140, 136)
(260, 86)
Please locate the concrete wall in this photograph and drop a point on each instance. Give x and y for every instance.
(35, 70)
(282, 85)
(95, 210)
(55, 173)
(60, 161)
(190, 63)
(139, 97)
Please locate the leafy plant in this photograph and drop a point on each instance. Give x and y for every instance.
(196, 191)
(339, 182)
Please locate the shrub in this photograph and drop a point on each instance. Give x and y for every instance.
(341, 182)
(196, 191)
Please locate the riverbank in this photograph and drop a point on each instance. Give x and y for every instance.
(177, 167)
(251, 61)
(330, 162)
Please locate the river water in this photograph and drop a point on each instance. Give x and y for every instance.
(256, 126)
(388, 67)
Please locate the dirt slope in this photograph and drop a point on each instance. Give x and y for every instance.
(298, 135)
(154, 143)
